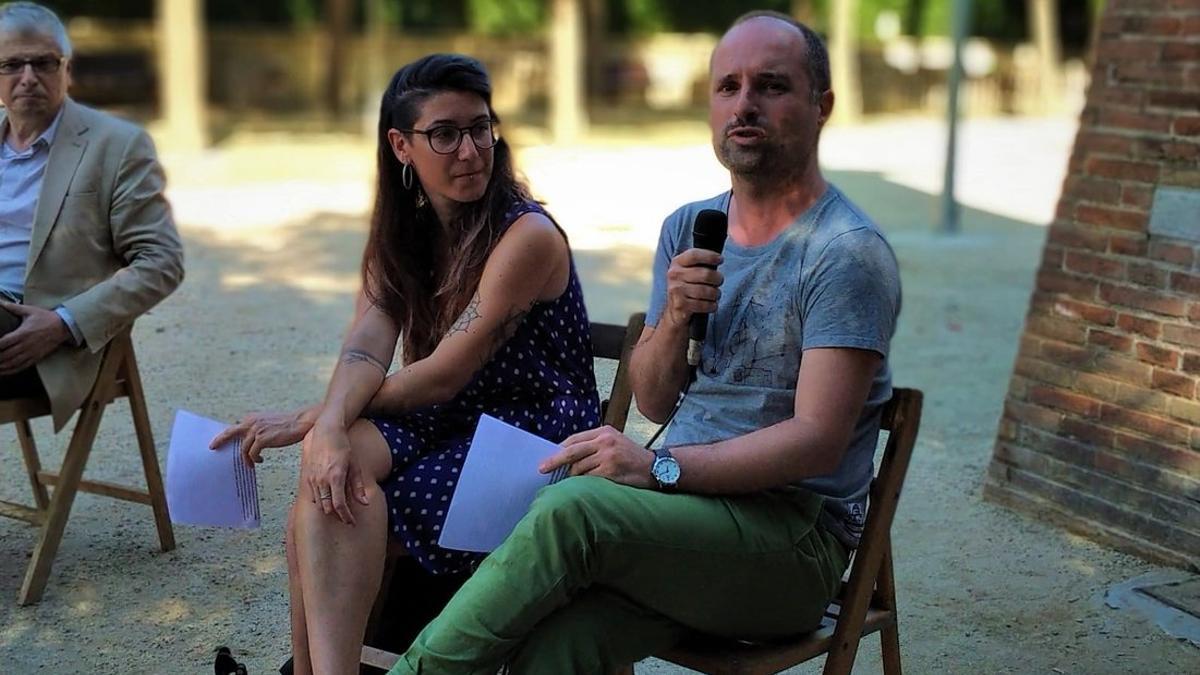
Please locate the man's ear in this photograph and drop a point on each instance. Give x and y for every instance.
(399, 145)
(826, 104)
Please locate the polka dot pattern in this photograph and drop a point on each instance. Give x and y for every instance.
(541, 381)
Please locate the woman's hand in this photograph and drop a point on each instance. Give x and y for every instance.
(261, 430)
(327, 466)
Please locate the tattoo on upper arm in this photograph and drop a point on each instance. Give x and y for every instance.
(359, 356)
(469, 315)
(507, 329)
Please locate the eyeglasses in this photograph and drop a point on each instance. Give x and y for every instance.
(42, 65)
(445, 139)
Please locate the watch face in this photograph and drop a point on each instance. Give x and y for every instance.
(666, 470)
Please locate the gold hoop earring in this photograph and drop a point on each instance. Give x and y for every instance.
(406, 176)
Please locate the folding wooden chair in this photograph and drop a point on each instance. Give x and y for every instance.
(867, 602)
(610, 342)
(118, 377)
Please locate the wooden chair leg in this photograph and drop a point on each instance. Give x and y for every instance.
(145, 441)
(889, 637)
(60, 505)
(32, 464)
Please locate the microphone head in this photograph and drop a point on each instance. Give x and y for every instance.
(708, 232)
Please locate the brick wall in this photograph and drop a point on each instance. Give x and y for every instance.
(1101, 427)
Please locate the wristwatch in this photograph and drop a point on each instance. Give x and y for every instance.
(665, 469)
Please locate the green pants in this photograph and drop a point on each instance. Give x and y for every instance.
(599, 575)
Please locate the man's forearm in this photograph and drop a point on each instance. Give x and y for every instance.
(659, 369)
(771, 457)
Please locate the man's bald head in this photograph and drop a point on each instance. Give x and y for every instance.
(816, 55)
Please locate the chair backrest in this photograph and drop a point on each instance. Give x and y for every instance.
(610, 341)
(901, 419)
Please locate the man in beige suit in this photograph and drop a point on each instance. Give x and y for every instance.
(87, 243)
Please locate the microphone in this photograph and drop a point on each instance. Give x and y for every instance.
(708, 232)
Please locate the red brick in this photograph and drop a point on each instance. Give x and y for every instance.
(1072, 236)
(1036, 416)
(1142, 399)
(1108, 97)
(1150, 425)
(1124, 244)
(1111, 341)
(1091, 142)
(1095, 265)
(1182, 335)
(1096, 386)
(1144, 172)
(1174, 100)
(1159, 356)
(1066, 355)
(1191, 363)
(1158, 453)
(1057, 329)
(1042, 371)
(1130, 120)
(1007, 430)
(1144, 300)
(1108, 217)
(1178, 151)
(1081, 310)
(1059, 282)
(1186, 126)
(1157, 150)
(1180, 51)
(1121, 367)
(1188, 411)
(1158, 75)
(1053, 397)
(1189, 24)
(1052, 257)
(1194, 312)
(1087, 432)
(1182, 174)
(1175, 254)
(1150, 328)
(1150, 25)
(1084, 188)
(1129, 51)
(1185, 283)
(1137, 196)
(1180, 385)
(1148, 275)
(1029, 346)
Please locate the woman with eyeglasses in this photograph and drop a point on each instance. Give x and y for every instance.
(474, 282)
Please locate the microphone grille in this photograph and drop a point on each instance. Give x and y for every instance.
(709, 230)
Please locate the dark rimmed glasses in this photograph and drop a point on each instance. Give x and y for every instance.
(445, 139)
(42, 65)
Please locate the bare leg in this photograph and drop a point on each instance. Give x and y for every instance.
(340, 566)
(301, 663)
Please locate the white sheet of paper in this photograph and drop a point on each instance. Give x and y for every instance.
(498, 482)
(208, 487)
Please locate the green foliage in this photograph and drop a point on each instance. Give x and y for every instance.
(506, 17)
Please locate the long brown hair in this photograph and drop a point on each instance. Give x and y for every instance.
(420, 272)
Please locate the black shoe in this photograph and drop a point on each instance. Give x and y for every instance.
(226, 665)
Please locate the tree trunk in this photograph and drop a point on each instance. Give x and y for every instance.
(843, 61)
(568, 118)
(182, 72)
(337, 24)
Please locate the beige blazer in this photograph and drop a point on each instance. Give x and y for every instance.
(103, 245)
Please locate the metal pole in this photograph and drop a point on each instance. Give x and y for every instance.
(950, 211)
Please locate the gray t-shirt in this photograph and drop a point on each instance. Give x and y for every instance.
(829, 280)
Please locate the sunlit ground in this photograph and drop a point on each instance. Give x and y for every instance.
(274, 226)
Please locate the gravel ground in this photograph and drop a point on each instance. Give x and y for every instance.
(274, 229)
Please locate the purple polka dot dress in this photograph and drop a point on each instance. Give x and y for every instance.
(541, 380)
